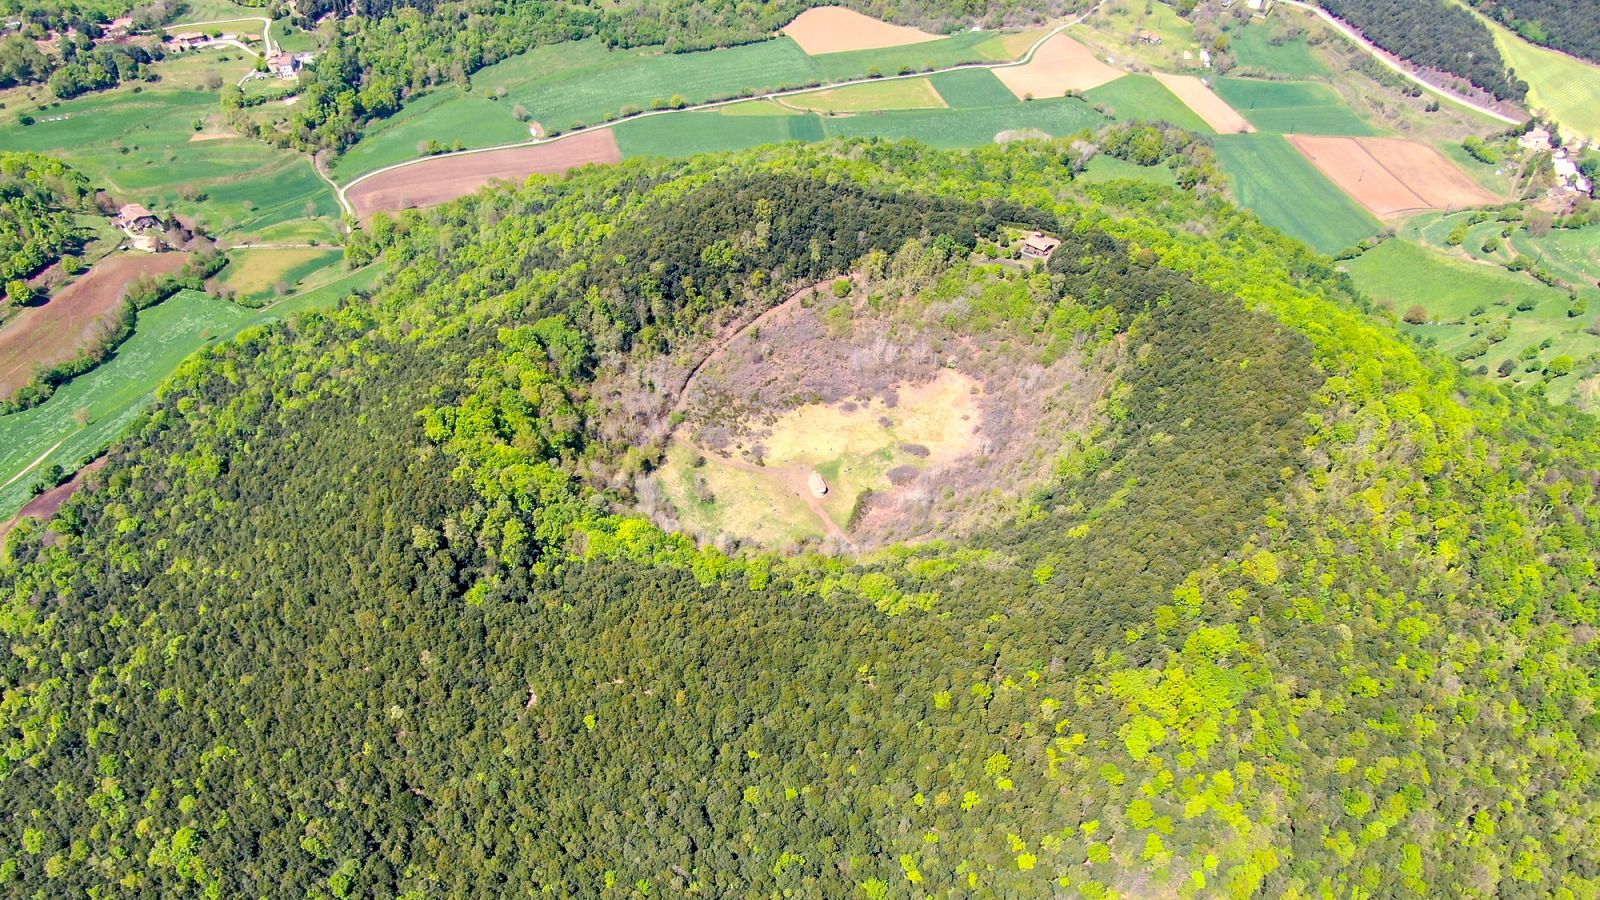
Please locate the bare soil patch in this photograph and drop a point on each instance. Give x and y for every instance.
(1391, 176)
(834, 29)
(1061, 64)
(1206, 104)
(435, 181)
(48, 503)
(39, 337)
(202, 136)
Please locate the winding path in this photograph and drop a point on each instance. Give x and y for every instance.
(1024, 59)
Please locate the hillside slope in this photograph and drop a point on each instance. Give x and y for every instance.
(360, 607)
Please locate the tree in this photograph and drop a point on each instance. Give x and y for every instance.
(1416, 315)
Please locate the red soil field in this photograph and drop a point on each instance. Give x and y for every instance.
(440, 180)
(1391, 176)
(38, 337)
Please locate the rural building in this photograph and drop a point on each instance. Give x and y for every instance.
(1039, 246)
(283, 65)
(134, 218)
(818, 486)
(1536, 139)
(189, 40)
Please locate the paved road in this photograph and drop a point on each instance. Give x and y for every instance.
(1024, 59)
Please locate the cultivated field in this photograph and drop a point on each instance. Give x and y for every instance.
(834, 29)
(968, 127)
(972, 89)
(1272, 178)
(1391, 176)
(965, 47)
(38, 337)
(1291, 107)
(440, 180)
(445, 116)
(1564, 86)
(1252, 46)
(1060, 65)
(904, 93)
(113, 393)
(685, 134)
(1144, 98)
(1465, 304)
(1222, 118)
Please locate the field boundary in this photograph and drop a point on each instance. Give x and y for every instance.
(341, 192)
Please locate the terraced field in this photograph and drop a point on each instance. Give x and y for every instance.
(1292, 107)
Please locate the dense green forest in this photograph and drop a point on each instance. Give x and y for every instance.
(385, 52)
(356, 610)
(1568, 25)
(77, 65)
(1434, 34)
(40, 198)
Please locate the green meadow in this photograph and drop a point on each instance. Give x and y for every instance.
(688, 133)
(1468, 304)
(1566, 88)
(1143, 97)
(1278, 184)
(898, 93)
(112, 394)
(1108, 168)
(1291, 107)
(966, 47)
(1252, 46)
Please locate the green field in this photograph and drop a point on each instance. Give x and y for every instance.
(1565, 87)
(900, 93)
(1252, 46)
(139, 146)
(1143, 97)
(1107, 31)
(445, 115)
(1273, 180)
(255, 275)
(1572, 255)
(1403, 275)
(1108, 168)
(685, 134)
(583, 83)
(972, 89)
(1291, 107)
(114, 392)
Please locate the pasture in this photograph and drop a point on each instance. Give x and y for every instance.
(1105, 168)
(1291, 107)
(965, 47)
(112, 394)
(255, 277)
(1272, 179)
(1107, 31)
(968, 127)
(1467, 303)
(1142, 97)
(1251, 45)
(685, 134)
(140, 147)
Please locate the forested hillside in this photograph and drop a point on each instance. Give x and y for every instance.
(39, 198)
(1572, 26)
(358, 608)
(384, 52)
(1434, 34)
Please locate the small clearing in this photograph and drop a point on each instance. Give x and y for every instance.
(39, 337)
(440, 180)
(1391, 176)
(1206, 104)
(203, 136)
(835, 29)
(1061, 64)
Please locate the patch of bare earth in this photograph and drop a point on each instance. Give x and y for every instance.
(834, 29)
(39, 337)
(1392, 176)
(1199, 97)
(1061, 64)
(442, 179)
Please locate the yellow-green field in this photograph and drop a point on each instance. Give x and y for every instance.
(258, 274)
(1566, 88)
(907, 93)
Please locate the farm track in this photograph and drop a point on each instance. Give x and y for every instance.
(342, 192)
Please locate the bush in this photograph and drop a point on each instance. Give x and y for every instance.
(1416, 315)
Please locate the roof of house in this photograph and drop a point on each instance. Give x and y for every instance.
(134, 211)
(189, 36)
(1041, 241)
